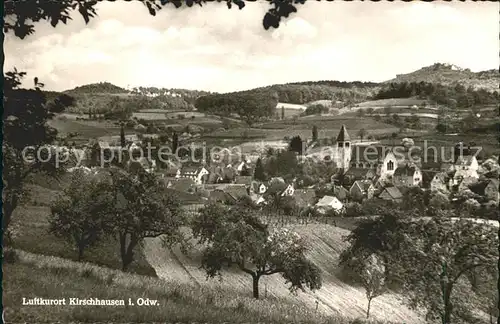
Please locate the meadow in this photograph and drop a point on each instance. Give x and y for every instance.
(32, 234)
(51, 277)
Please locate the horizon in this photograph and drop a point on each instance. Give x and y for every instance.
(314, 44)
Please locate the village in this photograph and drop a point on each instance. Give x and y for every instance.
(358, 172)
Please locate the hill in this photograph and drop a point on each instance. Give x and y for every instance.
(98, 97)
(334, 298)
(448, 74)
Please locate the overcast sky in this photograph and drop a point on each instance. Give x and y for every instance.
(216, 49)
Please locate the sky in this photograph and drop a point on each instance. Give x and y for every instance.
(215, 49)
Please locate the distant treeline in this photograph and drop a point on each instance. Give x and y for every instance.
(338, 84)
(249, 105)
(452, 96)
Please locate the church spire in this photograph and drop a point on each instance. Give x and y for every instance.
(343, 135)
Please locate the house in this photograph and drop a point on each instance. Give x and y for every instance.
(458, 175)
(392, 194)
(258, 188)
(491, 190)
(193, 172)
(289, 190)
(466, 183)
(361, 190)
(427, 176)
(340, 192)
(329, 203)
(439, 182)
(220, 196)
(183, 185)
(304, 197)
(236, 191)
(407, 175)
(354, 174)
(246, 180)
(466, 163)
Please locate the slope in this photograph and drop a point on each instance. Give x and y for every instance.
(325, 244)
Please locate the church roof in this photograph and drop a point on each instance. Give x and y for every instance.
(343, 135)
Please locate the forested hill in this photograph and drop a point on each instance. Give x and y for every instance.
(305, 92)
(98, 97)
(448, 74)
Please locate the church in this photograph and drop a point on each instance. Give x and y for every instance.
(356, 161)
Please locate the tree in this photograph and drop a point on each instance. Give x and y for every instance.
(80, 215)
(296, 144)
(360, 113)
(373, 279)
(315, 133)
(441, 128)
(26, 112)
(175, 143)
(259, 173)
(362, 133)
(429, 258)
(143, 209)
(442, 252)
(123, 143)
(24, 13)
(282, 112)
(234, 236)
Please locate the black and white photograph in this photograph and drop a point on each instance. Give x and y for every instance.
(237, 161)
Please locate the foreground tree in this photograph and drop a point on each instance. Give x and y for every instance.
(80, 215)
(236, 237)
(27, 136)
(431, 259)
(372, 275)
(142, 209)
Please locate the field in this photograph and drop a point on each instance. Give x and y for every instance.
(394, 102)
(85, 129)
(334, 298)
(30, 222)
(328, 127)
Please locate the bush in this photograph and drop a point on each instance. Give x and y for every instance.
(353, 209)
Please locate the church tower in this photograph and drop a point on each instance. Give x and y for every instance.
(343, 149)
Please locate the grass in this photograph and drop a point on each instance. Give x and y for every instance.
(33, 235)
(325, 243)
(50, 277)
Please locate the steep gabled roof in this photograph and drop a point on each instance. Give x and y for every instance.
(343, 135)
(393, 192)
(363, 184)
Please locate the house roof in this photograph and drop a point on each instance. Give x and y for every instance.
(304, 197)
(183, 184)
(236, 190)
(191, 168)
(219, 195)
(359, 172)
(393, 192)
(184, 197)
(327, 201)
(405, 171)
(479, 187)
(343, 135)
(340, 192)
(363, 184)
(246, 180)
